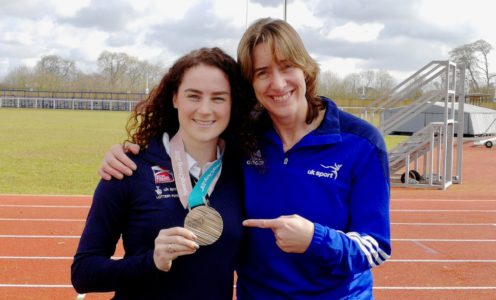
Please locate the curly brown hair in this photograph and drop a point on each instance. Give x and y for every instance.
(156, 114)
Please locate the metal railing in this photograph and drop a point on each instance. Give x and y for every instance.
(61, 103)
(437, 81)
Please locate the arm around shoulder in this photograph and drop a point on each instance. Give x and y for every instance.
(116, 164)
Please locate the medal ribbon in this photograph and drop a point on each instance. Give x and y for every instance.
(188, 195)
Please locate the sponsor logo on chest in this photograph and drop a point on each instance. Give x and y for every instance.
(162, 175)
(163, 178)
(325, 171)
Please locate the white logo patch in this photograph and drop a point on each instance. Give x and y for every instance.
(165, 192)
(332, 175)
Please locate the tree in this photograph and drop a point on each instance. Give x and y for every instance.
(330, 85)
(352, 83)
(113, 66)
(154, 74)
(142, 75)
(367, 78)
(21, 77)
(55, 73)
(384, 81)
(475, 58)
(126, 73)
(54, 64)
(482, 49)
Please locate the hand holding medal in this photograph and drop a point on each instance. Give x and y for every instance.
(171, 243)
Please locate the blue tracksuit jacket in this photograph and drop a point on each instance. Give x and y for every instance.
(337, 176)
(137, 208)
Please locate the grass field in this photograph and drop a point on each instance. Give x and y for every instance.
(59, 151)
(55, 151)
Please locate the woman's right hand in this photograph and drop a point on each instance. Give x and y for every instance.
(116, 163)
(171, 243)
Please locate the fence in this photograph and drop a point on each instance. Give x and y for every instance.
(91, 104)
(72, 95)
(60, 103)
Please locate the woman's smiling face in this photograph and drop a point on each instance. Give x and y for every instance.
(203, 102)
(279, 85)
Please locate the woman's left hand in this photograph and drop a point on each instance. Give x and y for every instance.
(293, 233)
(171, 243)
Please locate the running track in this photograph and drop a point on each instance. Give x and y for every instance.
(443, 241)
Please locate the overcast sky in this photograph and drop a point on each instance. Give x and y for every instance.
(344, 36)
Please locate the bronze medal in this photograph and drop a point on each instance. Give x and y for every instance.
(206, 223)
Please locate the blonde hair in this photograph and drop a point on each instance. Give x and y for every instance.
(284, 42)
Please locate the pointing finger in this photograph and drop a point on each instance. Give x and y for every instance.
(261, 223)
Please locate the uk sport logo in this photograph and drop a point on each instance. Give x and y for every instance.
(162, 175)
(333, 174)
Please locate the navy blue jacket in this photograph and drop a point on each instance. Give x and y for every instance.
(137, 208)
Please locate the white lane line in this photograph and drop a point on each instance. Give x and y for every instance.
(375, 287)
(442, 200)
(445, 260)
(439, 224)
(446, 210)
(41, 236)
(43, 220)
(45, 257)
(44, 195)
(444, 240)
(398, 240)
(392, 223)
(36, 285)
(434, 287)
(37, 257)
(425, 247)
(389, 260)
(36, 196)
(44, 206)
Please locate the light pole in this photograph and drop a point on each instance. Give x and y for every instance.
(147, 90)
(246, 14)
(285, 9)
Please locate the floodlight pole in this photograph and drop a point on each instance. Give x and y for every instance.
(285, 9)
(246, 14)
(147, 90)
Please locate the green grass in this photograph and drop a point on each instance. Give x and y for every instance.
(393, 140)
(55, 151)
(59, 151)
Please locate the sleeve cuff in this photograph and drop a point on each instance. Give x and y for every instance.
(317, 239)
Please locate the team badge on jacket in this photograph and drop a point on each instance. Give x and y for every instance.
(162, 175)
(330, 171)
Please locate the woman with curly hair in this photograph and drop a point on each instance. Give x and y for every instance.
(181, 239)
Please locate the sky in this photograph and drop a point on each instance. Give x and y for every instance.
(344, 36)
